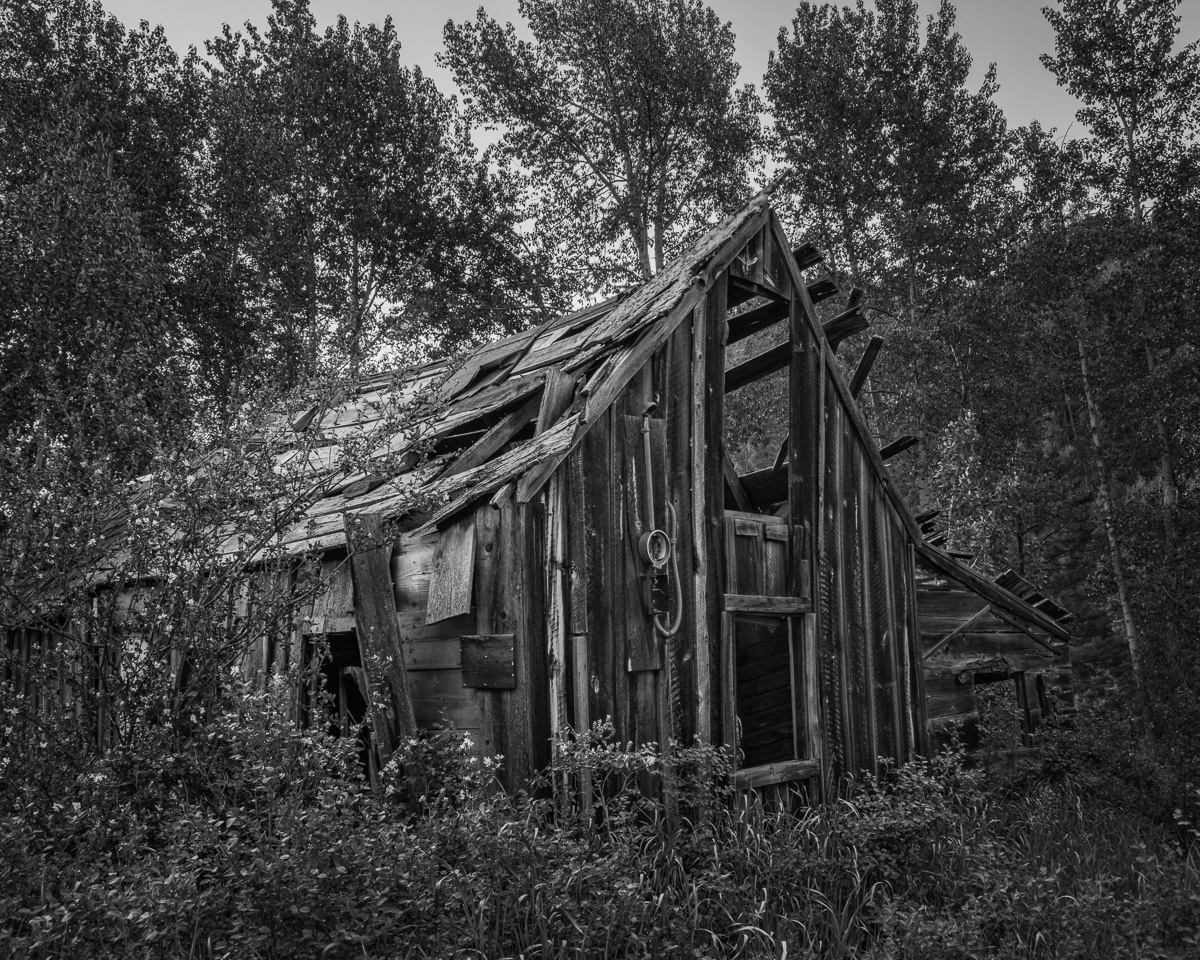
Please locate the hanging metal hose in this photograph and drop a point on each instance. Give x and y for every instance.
(670, 630)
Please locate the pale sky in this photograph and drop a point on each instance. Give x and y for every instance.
(1013, 33)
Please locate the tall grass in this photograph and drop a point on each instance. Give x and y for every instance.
(258, 841)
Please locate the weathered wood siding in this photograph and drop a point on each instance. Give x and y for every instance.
(620, 667)
(865, 595)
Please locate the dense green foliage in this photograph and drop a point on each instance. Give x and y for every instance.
(625, 113)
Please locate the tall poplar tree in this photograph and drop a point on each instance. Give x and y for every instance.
(626, 115)
(889, 161)
(1141, 97)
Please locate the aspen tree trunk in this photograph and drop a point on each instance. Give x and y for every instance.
(925, 492)
(1104, 495)
(642, 238)
(1166, 477)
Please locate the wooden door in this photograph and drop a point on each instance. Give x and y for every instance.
(763, 652)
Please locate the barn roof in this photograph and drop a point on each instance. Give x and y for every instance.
(511, 411)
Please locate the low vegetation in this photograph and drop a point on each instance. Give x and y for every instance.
(254, 839)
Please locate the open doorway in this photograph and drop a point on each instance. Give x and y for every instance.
(340, 692)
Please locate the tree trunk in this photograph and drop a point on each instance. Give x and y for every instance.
(1166, 477)
(354, 347)
(1104, 495)
(642, 238)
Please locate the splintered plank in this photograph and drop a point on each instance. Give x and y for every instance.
(495, 439)
(453, 567)
(863, 370)
(897, 446)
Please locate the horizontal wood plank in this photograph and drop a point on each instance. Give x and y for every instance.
(769, 361)
(785, 771)
(782, 606)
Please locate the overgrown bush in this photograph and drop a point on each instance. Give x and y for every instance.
(255, 839)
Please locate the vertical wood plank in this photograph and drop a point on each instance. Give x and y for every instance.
(681, 687)
(833, 647)
(378, 634)
(868, 637)
(857, 696)
(532, 519)
(699, 613)
(620, 598)
(509, 614)
(643, 648)
(912, 649)
(811, 701)
(597, 460)
(728, 672)
(642, 657)
(712, 441)
(579, 559)
(883, 625)
(556, 612)
(492, 714)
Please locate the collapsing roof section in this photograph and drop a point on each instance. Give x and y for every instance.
(511, 411)
(517, 406)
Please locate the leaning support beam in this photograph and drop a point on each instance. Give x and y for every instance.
(784, 451)
(957, 631)
(757, 367)
(734, 484)
(378, 632)
(897, 446)
(863, 370)
(1014, 622)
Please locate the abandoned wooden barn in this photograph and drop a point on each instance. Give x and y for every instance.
(592, 553)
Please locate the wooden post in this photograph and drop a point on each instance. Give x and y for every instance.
(711, 441)
(699, 506)
(378, 632)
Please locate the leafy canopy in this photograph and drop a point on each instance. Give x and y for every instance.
(1139, 95)
(624, 112)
